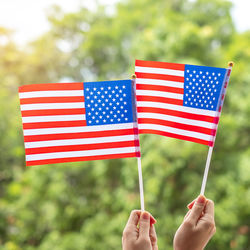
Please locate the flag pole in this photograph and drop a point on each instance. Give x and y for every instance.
(139, 155)
(210, 150)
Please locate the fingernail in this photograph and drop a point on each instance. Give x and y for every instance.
(190, 205)
(201, 199)
(145, 216)
(152, 220)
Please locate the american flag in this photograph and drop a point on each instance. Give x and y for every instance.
(68, 122)
(179, 100)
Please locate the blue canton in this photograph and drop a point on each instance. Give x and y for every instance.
(202, 86)
(108, 102)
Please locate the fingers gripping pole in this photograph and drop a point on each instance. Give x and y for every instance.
(204, 181)
(140, 183)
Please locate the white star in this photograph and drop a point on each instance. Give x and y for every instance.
(124, 95)
(201, 105)
(116, 87)
(115, 116)
(203, 77)
(104, 120)
(113, 91)
(88, 105)
(200, 80)
(200, 72)
(93, 117)
(186, 102)
(90, 121)
(122, 115)
(219, 74)
(106, 100)
(197, 76)
(212, 106)
(92, 109)
(99, 100)
(114, 107)
(87, 97)
(100, 116)
(188, 70)
(193, 80)
(103, 104)
(196, 104)
(106, 92)
(110, 104)
(94, 89)
(120, 91)
(102, 88)
(191, 103)
(113, 99)
(117, 103)
(118, 119)
(89, 113)
(107, 108)
(96, 113)
(91, 93)
(111, 120)
(186, 94)
(109, 88)
(123, 86)
(187, 78)
(108, 116)
(98, 92)
(92, 101)
(104, 112)
(125, 111)
(126, 119)
(187, 87)
(102, 96)
(97, 121)
(213, 73)
(125, 103)
(206, 73)
(87, 89)
(117, 95)
(121, 99)
(111, 112)
(190, 91)
(122, 107)
(190, 75)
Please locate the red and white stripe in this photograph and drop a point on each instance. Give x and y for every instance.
(55, 131)
(159, 91)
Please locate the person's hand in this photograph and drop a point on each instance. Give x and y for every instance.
(142, 237)
(198, 226)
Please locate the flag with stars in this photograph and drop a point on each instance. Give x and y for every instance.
(68, 122)
(179, 100)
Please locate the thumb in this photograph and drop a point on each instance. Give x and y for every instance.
(197, 210)
(144, 225)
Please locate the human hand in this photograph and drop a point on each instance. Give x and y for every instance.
(142, 237)
(198, 226)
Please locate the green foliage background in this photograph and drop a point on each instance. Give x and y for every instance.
(85, 205)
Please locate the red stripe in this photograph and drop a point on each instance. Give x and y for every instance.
(163, 65)
(52, 99)
(51, 86)
(178, 114)
(159, 88)
(94, 134)
(38, 125)
(177, 136)
(84, 147)
(177, 125)
(159, 99)
(85, 158)
(53, 112)
(160, 77)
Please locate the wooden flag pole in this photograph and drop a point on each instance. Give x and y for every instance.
(139, 157)
(210, 150)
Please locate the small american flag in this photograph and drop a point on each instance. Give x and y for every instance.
(68, 122)
(179, 100)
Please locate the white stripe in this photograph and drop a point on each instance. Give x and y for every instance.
(175, 131)
(96, 152)
(53, 143)
(177, 108)
(160, 82)
(177, 119)
(159, 94)
(45, 131)
(151, 70)
(55, 93)
(42, 106)
(53, 118)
